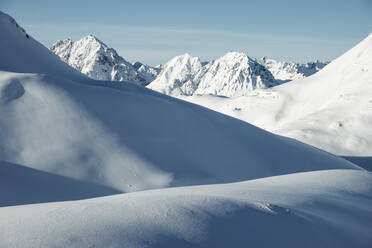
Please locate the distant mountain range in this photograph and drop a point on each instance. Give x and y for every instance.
(288, 71)
(234, 74)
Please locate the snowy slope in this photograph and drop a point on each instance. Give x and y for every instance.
(313, 209)
(331, 109)
(127, 137)
(95, 59)
(123, 143)
(289, 71)
(21, 185)
(21, 53)
(340, 112)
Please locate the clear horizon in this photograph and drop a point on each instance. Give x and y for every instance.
(154, 34)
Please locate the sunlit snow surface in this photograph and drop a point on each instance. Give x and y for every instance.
(331, 109)
(312, 209)
(66, 137)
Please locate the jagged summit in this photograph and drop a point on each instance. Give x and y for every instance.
(95, 59)
(180, 76)
(234, 74)
(94, 38)
(231, 75)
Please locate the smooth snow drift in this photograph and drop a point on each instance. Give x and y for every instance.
(23, 185)
(312, 209)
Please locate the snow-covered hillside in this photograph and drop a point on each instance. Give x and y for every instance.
(288, 71)
(331, 109)
(65, 137)
(128, 137)
(95, 59)
(231, 75)
(21, 185)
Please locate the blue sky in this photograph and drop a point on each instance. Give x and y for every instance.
(154, 31)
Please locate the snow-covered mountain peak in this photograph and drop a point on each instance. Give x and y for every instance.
(231, 75)
(92, 38)
(91, 44)
(88, 46)
(234, 74)
(180, 76)
(238, 60)
(185, 60)
(235, 56)
(95, 59)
